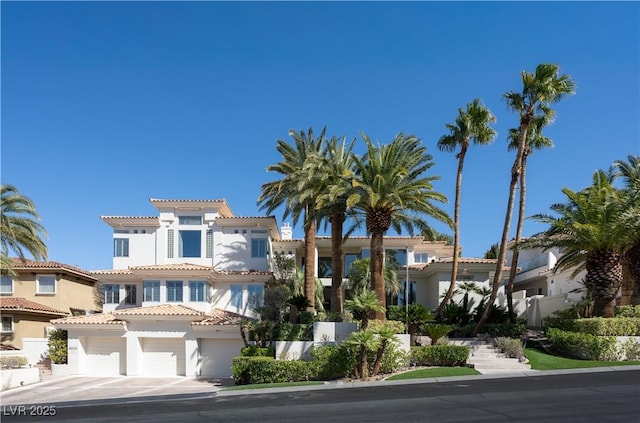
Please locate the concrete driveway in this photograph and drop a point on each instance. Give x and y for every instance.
(100, 389)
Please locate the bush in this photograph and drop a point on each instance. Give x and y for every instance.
(294, 332)
(394, 359)
(582, 345)
(334, 361)
(506, 329)
(58, 346)
(454, 314)
(12, 361)
(439, 355)
(254, 351)
(631, 350)
(252, 370)
(612, 326)
(511, 347)
(435, 331)
(375, 325)
(627, 311)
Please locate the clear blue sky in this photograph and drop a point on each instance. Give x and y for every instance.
(105, 105)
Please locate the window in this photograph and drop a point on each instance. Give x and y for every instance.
(174, 291)
(130, 291)
(411, 296)
(396, 257)
(121, 247)
(256, 295)
(189, 243)
(258, 247)
(121, 231)
(325, 268)
(170, 236)
(209, 243)
(236, 296)
(190, 220)
(258, 231)
(151, 291)
(7, 324)
(196, 291)
(111, 293)
(46, 284)
(6, 284)
(421, 257)
(348, 261)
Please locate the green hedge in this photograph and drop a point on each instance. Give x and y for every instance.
(627, 311)
(608, 326)
(439, 355)
(12, 361)
(255, 351)
(252, 370)
(582, 345)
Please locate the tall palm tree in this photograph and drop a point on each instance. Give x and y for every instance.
(391, 192)
(471, 124)
(629, 171)
(539, 90)
(535, 141)
(297, 191)
(492, 252)
(595, 230)
(337, 172)
(20, 231)
(430, 235)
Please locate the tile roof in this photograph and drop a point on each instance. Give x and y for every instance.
(219, 317)
(159, 310)
(22, 304)
(181, 266)
(467, 260)
(112, 272)
(90, 319)
(129, 217)
(158, 200)
(26, 264)
(242, 272)
(270, 217)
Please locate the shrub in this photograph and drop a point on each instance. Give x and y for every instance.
(252, 370)
(394, 359)
(294, 332)
(12, 361)
(254, 351)
(506, 329)
(582, 345)
(334, 361)
(439, 355)
(497, 314)
(375, 325)
(511, 347)
(630, 350)
(435, 331)
(627, 311)
(58, 346)
(454, 314)
(612, 326)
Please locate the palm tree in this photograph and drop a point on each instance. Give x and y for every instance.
(471, 124)
(19, 230)
(365, 304)
(535, 141)
(431, 235)
(629, 171)
(595, 230)
(360, 277)
(492, 252)
(337, 171)
(541, 88)
(297, 191)
(390, 191)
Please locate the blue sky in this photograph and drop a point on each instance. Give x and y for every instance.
(105, 105)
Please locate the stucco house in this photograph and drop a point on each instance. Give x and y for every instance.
(42, 291)
(183, 278)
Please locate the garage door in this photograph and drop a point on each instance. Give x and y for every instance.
(216, 356)
(106, 356)
(163, 357)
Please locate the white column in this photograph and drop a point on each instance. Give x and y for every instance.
(191, 356)
(134, 354)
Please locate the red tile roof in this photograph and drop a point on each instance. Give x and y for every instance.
(181, 266)
(242, 272)
(219, 317)
(26, 264)
(159, 310)
(90, 319)
(22, 304)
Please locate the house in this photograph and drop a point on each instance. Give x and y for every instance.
(40, 292)
(182, 280)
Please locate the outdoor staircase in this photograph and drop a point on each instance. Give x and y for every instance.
(486, 359)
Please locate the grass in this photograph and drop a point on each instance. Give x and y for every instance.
(541, 360)
(272, 385)
(435, 372)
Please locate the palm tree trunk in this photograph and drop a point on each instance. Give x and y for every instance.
(515, 176)
(516, 245)
(603, 280)
(377, 276)
(456, 233)
(379, 354)
(310, 263)
(337, 262)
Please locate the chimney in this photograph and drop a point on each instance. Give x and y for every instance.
(285, 231)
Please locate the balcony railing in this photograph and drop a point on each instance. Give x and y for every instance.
(539, 261)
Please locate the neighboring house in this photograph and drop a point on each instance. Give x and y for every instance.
(182, 280)
(42, 291)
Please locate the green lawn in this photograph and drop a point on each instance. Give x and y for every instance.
(272, 385)
(435, 372)
(541, 360)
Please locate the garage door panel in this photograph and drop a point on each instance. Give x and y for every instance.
(106, 356)
(163, 356)
(216, 356)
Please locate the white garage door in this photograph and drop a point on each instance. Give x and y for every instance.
(106, 356)
(216, 356)
(163, 357)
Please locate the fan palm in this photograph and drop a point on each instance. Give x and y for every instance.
(595, 230)
(390, 191)
(471, 124)
(297, 192)
(20, 231)
(539, 90)
(535, 141)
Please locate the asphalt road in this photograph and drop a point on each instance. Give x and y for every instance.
(581, 397)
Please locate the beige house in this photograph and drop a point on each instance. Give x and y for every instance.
(42, 291)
